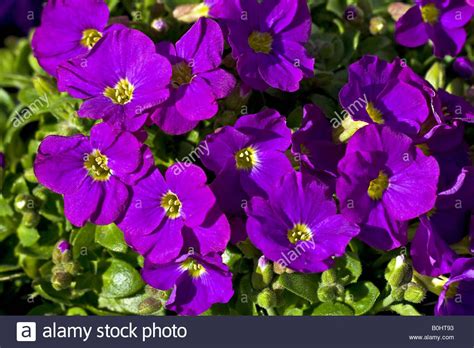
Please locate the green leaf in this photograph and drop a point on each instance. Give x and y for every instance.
(332, 309)
(404, 309)
(120, 280)
(436, 75)
(28, 236)
(348, 268)
(83, 240)
(303, 285)
(111, 238)
(361, 297)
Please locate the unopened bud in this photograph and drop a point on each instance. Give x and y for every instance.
(398, 272)
(263, 275)
(61, 280)
(353, 14)
(377, 26)
(267, 298)
(160, 25)
(62, 252)
(24, 203)
(414, 293)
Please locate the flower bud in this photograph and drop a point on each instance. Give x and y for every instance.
(398, 272)
(398, 293)
(267, 298)
(149, 306)
(62, 252)
(353, 14)
(263, 275)
(2, 160)
(160, 25)
(61, 279)
(330, 292)
(24, 203)
(414, 293)
(378, 25)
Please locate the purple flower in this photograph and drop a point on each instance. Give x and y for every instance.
(164, 212)
(464, 67)
(446, 224)
(440, 21)
(457, 295)
(267, 40)
(375, 89)
(2, 160)
(298, 225)
(379, 174)
(314, 145)
(197, 282)
(69, 28)
(197, 81)
(248, 158)
(119, 79)
(90, 172)
(450, 107)
(64, 246)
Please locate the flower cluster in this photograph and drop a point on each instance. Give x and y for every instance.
(394, 172)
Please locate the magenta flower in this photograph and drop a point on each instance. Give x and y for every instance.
(69, 28)
(248, 158)
(91, 173)
(298, 225)
(164, 212)
(197, 282)
(374, 90)
(440, 21)
(378, 176)
(314, 145)
(267, 40)
(120, 79)
(457, 297)
(197, 81)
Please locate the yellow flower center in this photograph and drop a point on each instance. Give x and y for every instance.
(90, 37)
(194, 269)
(246, 158)
(171, 204)
(261, 42)
(374, 113)
(182, 74)
(299, 232)
(378, 186)
(122, 93)
(96, 164)
(429, 13)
